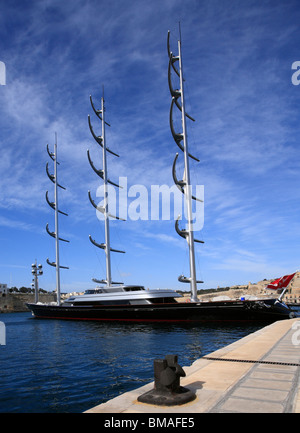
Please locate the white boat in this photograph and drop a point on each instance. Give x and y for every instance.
(122, 295)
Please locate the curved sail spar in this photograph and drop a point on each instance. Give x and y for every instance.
(102, 173)
(180, 138)
(54, 206)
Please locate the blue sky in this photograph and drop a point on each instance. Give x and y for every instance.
(237, 63)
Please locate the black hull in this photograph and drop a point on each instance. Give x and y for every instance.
(268, 310)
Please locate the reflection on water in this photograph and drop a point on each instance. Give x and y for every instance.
(64, 366)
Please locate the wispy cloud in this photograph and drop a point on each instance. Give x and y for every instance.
(17, 224)
(237, 69)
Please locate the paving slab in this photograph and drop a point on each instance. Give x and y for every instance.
(258, 373)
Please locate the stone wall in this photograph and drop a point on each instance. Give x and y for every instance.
(292, 294)
(15, 302)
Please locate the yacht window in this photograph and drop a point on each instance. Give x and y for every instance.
(93, 291)
(111, 290)
(132, 289)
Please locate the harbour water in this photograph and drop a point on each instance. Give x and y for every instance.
(56, 366)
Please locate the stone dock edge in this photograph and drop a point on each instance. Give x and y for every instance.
(259, 373)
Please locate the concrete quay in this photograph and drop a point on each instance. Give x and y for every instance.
(259, 373)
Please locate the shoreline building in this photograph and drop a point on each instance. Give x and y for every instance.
(3, 289)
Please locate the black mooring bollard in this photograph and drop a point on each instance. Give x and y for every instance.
(167, 390)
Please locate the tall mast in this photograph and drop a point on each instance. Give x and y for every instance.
(184, 185)
(101, 140)
(106, 217)
(56, 223)
(54, 206)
